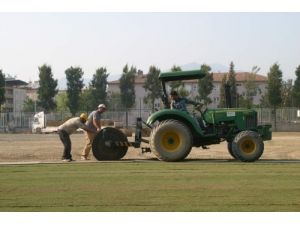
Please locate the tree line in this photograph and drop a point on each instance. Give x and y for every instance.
(79, 97)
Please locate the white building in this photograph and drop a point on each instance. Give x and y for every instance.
(192, 87)
(15, 95)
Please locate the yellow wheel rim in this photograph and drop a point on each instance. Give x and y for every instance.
(170, 141)
(248, 146)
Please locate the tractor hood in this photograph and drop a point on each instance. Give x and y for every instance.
(242, 118)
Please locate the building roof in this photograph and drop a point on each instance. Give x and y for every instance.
(217, 77)
(11, 83)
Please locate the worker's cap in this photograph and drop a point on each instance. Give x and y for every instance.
(83, 116)
(102, 106)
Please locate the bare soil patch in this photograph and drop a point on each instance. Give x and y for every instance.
(48, 148)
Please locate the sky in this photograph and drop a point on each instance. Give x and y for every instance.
(92, 40)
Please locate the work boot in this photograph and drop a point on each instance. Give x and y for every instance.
(83, 158)
(67, 160)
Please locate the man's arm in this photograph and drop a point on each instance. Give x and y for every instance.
(191, 102)
(97, 120)
(197, 105)
(97, 124)
(86, 128)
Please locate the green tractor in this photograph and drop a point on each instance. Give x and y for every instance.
(175, 132)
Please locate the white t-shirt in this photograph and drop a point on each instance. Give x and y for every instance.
(71, 125)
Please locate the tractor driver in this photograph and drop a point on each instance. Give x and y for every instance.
(179, 103)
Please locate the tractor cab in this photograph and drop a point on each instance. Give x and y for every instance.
(194, 119)
(175, 76)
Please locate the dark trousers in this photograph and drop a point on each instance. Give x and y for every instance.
(65, 139)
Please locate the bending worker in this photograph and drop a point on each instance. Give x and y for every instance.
(66, 129)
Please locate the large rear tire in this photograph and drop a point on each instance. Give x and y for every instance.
(171, 141)
(247, 146)
(110, 144)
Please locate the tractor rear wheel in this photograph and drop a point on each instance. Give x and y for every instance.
(247, 146)
(171, 140)
(110, 144)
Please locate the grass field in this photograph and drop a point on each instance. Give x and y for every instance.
(153, 186)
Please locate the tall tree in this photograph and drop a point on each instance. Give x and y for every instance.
(29, 105)
(99, 86)
(274, 88)
(152, 86)
(232, 83)
(47, 88)
(222, 103)
(205, 85)
(74, 87)
(86, 100)
(264, 101)
(62, 102)
(115, 101)
(2, 88)
(296, 88)
(287, 93)
(127, 84)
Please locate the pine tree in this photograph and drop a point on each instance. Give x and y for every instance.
(222, 103)
(205, 85)
(232, 83)
(99, 86)
(296, 88)
(287, 93)
(74, 87)
(127, 90)
(274, 88)
(47, 88)
(152, 86)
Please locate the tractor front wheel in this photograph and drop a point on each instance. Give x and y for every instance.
(171, 140)
(247, 146)
(229, 147)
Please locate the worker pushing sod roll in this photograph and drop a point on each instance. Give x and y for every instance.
(68, 128)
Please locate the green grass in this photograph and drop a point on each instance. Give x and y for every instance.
(155, 186)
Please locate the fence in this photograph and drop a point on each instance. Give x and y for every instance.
(10, 122)
(286, 118)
